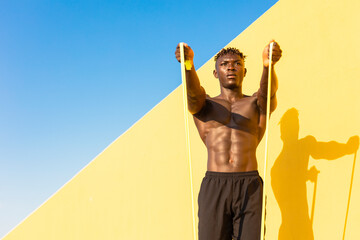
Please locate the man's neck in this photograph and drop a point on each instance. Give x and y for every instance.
(231, 95)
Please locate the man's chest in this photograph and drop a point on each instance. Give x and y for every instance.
(240, 115)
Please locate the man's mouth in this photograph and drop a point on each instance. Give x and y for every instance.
(231, 75)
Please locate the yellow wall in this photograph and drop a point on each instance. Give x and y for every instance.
(129, 194)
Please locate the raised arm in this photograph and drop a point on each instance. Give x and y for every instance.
(262, 92)
(195, 92)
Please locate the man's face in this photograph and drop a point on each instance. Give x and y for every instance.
(230, 70)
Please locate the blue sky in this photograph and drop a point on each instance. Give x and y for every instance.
(74, 75)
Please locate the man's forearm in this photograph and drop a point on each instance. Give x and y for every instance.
(264, 82)
(262, 93)
(195, 92)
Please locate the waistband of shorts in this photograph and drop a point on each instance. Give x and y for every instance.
(231, 174)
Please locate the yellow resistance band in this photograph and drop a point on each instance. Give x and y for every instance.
(348, 204)
(183, 78)
(262, 236)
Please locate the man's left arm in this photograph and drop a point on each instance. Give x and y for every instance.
(262, 92)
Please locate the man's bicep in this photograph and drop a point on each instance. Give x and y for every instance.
(273, 103)
(262, 102)
(262, 125)
(197, 102)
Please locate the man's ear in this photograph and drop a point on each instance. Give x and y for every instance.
(215, 73)
(245, 72)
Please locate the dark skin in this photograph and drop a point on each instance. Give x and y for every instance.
(232, 124)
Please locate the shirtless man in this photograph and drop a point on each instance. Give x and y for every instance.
(231, 126)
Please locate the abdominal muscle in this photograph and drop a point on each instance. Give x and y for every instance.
(230, 150)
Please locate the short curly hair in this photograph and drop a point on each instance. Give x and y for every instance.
(228, 50)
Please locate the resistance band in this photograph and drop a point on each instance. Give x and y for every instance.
(348, 204)
(262, 236)
(187, 132)
(314, 199)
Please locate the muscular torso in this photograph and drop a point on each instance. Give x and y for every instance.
(231, 133)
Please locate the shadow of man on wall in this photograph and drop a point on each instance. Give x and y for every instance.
(290, 173)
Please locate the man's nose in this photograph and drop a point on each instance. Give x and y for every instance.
(231, 66)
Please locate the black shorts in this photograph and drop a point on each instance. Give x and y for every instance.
(230, 206)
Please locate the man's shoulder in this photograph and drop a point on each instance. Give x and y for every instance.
(255, 95)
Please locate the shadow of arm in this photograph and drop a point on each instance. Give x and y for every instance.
(332, 150)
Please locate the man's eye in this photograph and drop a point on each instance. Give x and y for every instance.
(238, 63)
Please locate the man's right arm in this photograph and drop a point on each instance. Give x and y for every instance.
(195, 92)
